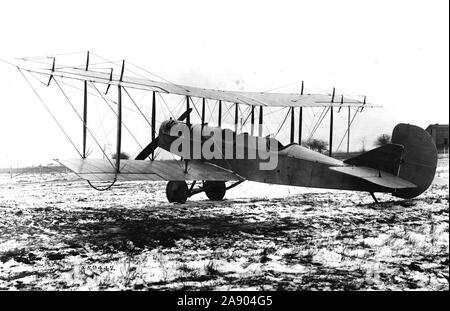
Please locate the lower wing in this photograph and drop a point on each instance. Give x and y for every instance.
(103, 170)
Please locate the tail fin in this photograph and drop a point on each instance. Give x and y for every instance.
(412, 156)
(418, 161)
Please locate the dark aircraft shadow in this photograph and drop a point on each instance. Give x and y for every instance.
(148, 228)
(164, 225)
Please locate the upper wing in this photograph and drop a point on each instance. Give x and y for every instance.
(246, 98)
(102, 170)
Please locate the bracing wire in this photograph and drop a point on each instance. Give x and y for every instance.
(95, 95)
(211, 112)
(142, 76)
(37, 79)
(51, 56)
(124, 125)
(249, 108)
(34, 76)
(194, 105)
(167, 106)
(346, 131)
(101, 96)
(132, 100)
(243, 122)
(48, 110)
(81, 119)
(281, 126)
(90, 65)
(136, 107)
(158, 76)
(225, 115)
(319, 121)
(281, 87)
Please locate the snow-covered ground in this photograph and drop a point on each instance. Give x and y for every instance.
(58, 233)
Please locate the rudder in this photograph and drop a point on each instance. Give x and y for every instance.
(418, 161)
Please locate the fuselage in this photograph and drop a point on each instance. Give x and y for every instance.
(294, 164)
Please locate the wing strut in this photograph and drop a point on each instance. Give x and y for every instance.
(364, 103)
(292, 124)
(252, 121)
(119, 121)
(85, 109)
(53, 70)
(300, 118)
(188, 119)
(153, 121)
(261, 115)
(110, 79)
(348, 132)
(342, 102)
(330, 151)
(236, 117)
(203, 111)
(219, 119)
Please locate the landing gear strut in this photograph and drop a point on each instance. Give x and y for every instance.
(177, 191)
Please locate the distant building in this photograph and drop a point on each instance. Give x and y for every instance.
(439, 132)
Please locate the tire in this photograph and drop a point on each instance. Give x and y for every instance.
(177, 191)
(214, 190)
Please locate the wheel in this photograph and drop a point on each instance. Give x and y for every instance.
(177, 191)
(214, 190)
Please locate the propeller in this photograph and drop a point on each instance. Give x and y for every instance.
(147, 151)
(184, 115)
(151, 147)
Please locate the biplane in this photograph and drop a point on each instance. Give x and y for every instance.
(405, 167)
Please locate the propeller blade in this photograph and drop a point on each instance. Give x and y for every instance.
(184, 115)
(147, 151)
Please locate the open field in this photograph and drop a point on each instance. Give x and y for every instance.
(56, 233)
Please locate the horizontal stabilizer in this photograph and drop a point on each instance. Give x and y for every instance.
(375, 176)
(385, 158)
(103, 170)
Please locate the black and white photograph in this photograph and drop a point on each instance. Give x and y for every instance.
(245, 147)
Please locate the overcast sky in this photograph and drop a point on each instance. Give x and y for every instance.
(395, 52)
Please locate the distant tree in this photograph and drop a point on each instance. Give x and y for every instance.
(122, 155)
(382, 140)
(316, 145)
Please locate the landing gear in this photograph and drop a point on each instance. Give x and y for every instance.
(177, 191)
(214, 190)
